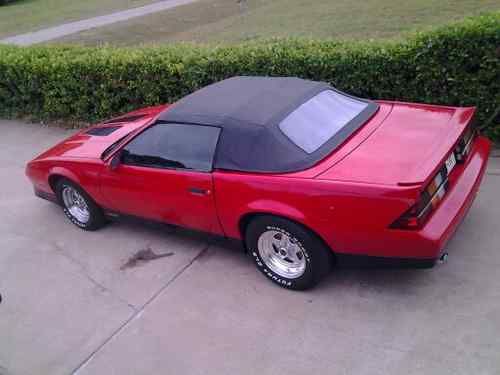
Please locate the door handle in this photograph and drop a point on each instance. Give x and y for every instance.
(199, 191)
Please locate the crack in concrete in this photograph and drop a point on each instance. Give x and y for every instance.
(138, 312)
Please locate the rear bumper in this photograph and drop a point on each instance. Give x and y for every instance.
(465, 180)
(369, 261)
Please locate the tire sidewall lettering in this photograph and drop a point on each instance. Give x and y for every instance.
(270, 274)
(290, 235)
(71, 217)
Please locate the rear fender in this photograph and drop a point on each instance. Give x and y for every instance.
(271, 207)
(274, 208)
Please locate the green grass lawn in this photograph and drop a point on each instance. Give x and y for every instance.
(224, 21)
(29, 15)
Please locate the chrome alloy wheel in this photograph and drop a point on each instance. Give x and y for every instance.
(282, 254)
(75, 204)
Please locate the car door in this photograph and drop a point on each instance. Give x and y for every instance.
(165, 174)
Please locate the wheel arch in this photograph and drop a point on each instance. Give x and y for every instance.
(53, 180)
(246, 218)
(55, 174)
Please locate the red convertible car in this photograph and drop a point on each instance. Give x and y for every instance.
(301, 172)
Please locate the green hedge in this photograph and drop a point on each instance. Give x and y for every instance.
(456, 64)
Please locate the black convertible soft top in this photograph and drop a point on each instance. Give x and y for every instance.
(248, 110)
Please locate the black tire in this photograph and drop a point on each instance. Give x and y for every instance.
(318, 257)
(96, 217)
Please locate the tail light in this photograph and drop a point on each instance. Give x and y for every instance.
(464, 145)
(429, 199)
(411, 219)
(416, 216)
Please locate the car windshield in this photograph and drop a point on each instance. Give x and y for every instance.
(320, 118)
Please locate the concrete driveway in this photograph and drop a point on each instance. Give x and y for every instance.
(71, 306)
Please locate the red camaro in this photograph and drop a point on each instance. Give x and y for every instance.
(300, 171)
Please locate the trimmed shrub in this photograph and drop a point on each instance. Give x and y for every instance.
(456, 64)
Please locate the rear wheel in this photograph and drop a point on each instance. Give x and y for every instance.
(79, 206)
(287, 253)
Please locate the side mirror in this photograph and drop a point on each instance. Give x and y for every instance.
(115, 161)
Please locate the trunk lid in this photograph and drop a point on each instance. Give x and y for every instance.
(407, 148)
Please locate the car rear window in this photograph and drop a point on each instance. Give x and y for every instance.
(313, 123)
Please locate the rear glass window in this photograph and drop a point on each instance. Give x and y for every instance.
(320, 118)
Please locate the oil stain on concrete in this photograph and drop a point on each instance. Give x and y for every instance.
(143, 256)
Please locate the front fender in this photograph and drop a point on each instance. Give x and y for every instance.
(64, 172)
(84, 173)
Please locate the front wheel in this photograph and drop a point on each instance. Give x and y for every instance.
(287, 253)
(79, 206)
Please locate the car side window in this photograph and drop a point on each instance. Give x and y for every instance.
(173, 146)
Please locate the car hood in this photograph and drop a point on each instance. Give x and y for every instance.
(407, 146)
(91, 142)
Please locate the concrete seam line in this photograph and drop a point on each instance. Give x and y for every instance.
(139, 311)
(91, 279)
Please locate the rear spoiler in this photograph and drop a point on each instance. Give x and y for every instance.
(433, 161)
